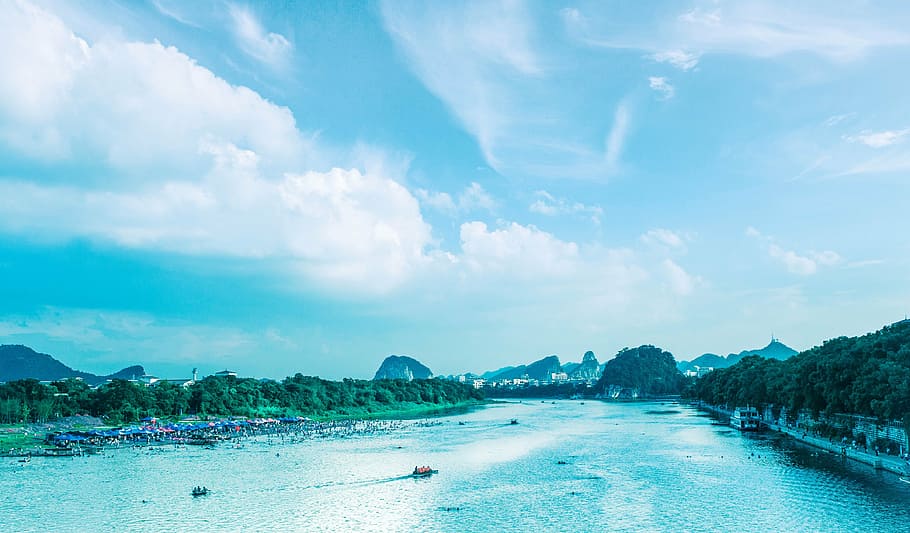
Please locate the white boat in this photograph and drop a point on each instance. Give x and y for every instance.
(746, 419)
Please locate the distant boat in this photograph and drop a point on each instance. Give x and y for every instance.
(199, 491)
(423, 471)
(746, 419)
(514, 421)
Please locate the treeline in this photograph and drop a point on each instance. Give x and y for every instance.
(121, 401)
(867, 375)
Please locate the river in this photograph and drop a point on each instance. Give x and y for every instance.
(629, 467)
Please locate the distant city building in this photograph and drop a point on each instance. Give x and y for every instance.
(698, 371)
(226, 374)
(148, 380)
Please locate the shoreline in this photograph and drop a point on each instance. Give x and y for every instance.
(25, 440)
(889, 463)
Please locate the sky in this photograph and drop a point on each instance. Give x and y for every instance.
(280, 187)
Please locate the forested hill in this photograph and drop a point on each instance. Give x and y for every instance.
(21, 362)
(867, 375)
(647, 368)
(774, 350)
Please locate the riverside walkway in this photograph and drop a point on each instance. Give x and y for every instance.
(889, 463)
(884, 462)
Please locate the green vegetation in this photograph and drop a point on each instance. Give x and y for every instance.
(647, 368)
(868, 375)
(121, 401)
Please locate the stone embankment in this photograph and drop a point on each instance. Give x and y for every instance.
(889, 463)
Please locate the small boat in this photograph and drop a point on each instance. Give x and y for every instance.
(423, 471)
(200, 491)
(514, 421)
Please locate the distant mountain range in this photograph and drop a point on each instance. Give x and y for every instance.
(541, 370)
(402, 367)
(774, 350)
(21, 362)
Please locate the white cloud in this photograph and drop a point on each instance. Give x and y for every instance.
(475, 197)
(486, 63)
(660, 84)
(135, 106)
(804, 264)
(340, 227)
(665, 237)
(578, 279)
(752, 28)
(268, 47)
(834, 120)
(441, 201)
(879, 139)
(681, 282)
(181, 161)
(617, 137)
(471, 198)
(678, 58)
(548, 205)
(522, 250)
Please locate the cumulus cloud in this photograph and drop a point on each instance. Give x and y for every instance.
(268, 47)
(879, 139)
(804, 264)
(223, 171)
(582, 276)
(132, 105)
(524, 250)
(339, 227)
(662, 87)
(548, 205)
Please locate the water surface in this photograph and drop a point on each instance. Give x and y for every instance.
(635, 467)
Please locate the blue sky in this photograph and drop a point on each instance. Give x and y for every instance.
(281, 187)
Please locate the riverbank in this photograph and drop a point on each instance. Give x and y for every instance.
(889, 463)
(31, 439)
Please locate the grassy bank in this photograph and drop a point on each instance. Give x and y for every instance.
(15, 436)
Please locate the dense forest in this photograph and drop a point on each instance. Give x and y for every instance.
(123, 401)
(647, 368)
(867, 375)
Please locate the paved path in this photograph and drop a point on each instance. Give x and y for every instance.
(885, 462)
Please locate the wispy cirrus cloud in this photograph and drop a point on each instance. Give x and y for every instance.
(268, 47)
(549, 205)
(471, 198)
(750, 28)
(879, 139)
(804, 264)
(486, 62)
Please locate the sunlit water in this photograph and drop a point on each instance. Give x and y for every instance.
(637, 467)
